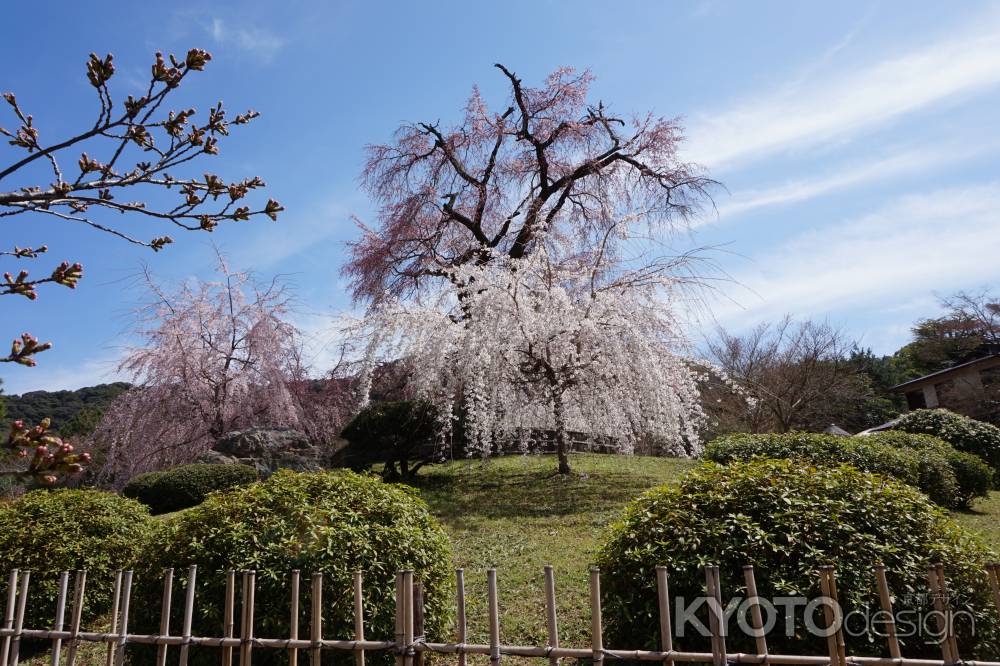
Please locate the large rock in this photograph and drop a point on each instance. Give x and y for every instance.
(270, 449)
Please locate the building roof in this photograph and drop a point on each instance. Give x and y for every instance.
(940, 374)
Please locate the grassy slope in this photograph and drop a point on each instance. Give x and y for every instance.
(515, 514)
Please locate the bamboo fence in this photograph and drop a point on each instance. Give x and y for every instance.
(409, 645)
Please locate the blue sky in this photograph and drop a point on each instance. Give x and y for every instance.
(858, 142)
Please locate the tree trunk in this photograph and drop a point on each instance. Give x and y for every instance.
(562, 436)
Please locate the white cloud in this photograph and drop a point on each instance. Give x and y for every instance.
(852, 175)
(258, 42)
(820, 109)
(919, 244)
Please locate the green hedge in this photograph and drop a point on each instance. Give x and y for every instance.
(787, 518)
(965, 434)
(333, 522)
(930, 465)
(185, 486)
(49, 531)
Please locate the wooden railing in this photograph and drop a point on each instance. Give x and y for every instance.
(409, 644)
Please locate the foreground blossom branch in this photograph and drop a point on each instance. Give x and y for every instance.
(132, 154)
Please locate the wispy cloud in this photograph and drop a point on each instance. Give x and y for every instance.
(819, 109)
(936, 241)
(853, 174)
(255, 41)
(49, 377)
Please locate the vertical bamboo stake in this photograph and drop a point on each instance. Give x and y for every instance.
(316, 626)
(165, 602)
(494, 614)
(188, 613)
(991, 570)
(249, 587)
(293, 653)
(22, 602)
(116, 598)
(123, 623)
(74, 624)
(835, 640)
(663, 596)
(596, 629)
(722, 624)
(755, 616)
(550, 611)
(407, 616)
(228, 617)
(8, 618)
(949, 615)
(60, 616)
(932, 584)
(885, 600)
(841, 643)
(398, 637)
(460, 602)
(359, 617)
(418, 621)
(714, 616)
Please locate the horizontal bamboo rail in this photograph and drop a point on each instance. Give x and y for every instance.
(408, 643)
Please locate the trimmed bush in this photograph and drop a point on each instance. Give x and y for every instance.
(965, 434)
(973, 476)
(185, 486)
(334, 522)
(787, 518)
(49, 531)
(925, 468)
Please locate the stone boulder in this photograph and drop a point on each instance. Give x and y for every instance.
(271, 449)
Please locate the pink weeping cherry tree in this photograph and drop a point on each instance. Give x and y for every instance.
(514, 267)
(215, 356)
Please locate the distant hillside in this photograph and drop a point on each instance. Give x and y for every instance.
(61, 406)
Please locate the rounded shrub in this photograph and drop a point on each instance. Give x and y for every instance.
(924, 468)
(185, 486)
(973, 477)
(965, 434)
(787, 518)
(332, 522)
(49, 531)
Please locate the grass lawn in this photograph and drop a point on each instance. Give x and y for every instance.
(516, 514)
(983, 519)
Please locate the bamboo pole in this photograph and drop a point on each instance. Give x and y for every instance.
(407, 617)
(494, 615)
(228, 616)
(418, 621)
(79, 586)
(246, 631)
(949, 614)
(463, 629)
(316, 624)
(714, 615)
(991, 570)
(8, 618)
(398, 636)
(552, 620)
(596, 629)
(841, 643)
(293, 653)
(123, 623)
(22, 603)
(942, 620)
(755, 616)
(192, 582)
(663, 599)
(165, 602)
(116, 597)
(722, 617)
(60, 616)
(359, 617)
(885, 599)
